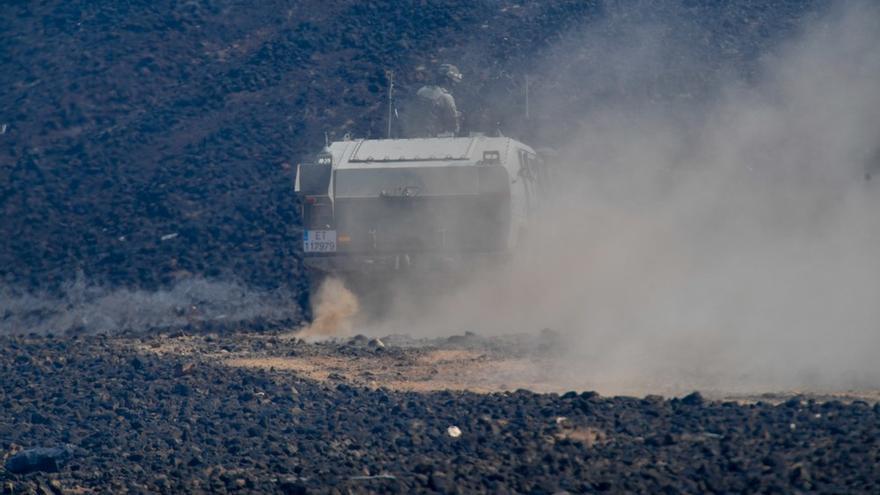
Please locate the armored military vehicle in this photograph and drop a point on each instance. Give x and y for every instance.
(379, 205)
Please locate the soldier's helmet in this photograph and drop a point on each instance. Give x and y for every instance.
(449, 72)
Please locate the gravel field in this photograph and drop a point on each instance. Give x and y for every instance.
(141, 415)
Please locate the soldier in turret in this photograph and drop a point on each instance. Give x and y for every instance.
(434, 112)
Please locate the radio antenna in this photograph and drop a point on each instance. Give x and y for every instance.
(390, 75)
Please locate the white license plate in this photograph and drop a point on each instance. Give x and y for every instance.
(319, 241)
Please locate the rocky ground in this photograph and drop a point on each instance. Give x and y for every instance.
(185, 413)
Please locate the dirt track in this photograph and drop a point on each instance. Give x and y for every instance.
(461, 362)
(397, 363)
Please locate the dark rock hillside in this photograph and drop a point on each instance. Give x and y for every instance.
(147, 142)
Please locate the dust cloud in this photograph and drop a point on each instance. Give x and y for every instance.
(334, 310)
(728, 242)
(86, 308)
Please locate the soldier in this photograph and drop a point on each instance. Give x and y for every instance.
(435, 110)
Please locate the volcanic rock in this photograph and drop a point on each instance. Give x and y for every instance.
(49, 459)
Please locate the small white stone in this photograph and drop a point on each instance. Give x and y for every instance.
(453, 431)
